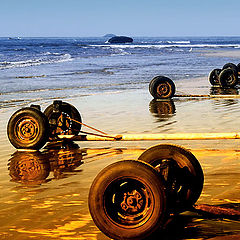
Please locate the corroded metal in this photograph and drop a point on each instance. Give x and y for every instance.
(27, 129)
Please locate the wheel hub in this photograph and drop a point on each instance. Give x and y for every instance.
(27, 129)
(162, 89)
(64, 124)
(132, 202)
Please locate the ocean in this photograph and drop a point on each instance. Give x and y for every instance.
(40, 69)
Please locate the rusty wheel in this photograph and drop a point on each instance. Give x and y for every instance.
(28, 128)
(162, 87)
(62, 120)
(214, 76)
(228, 77)
(127, 200)
(179, 170)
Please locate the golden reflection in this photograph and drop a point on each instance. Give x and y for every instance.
(163, 109)
(28, 167)
(223, 91)
(32, 168)
(73, 229)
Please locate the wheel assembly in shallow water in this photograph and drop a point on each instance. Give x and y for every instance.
(227, 77)
(132, 199)
(162, 87)
(29, 128)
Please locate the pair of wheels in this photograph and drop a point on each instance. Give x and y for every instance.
(162, 87)
(29, 128)
(131, 199)
(225, 77)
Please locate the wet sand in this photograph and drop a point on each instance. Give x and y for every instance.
(44, 194)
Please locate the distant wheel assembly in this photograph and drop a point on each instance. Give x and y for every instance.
(227, 77)
(162, 87)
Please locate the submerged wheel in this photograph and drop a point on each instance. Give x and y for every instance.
(162, 87)
(28, 128)
(214, 76)
(127, 200)
(230, 65)
(181, 172)
(228, 78)
(62, 121)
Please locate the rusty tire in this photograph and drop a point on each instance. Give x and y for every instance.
(127, 200)
(71, 127)
(162, 87)
(185, 181)
(228, 78)
(28, 128)
(214, 76)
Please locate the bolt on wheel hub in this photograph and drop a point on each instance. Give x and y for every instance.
(132, 202)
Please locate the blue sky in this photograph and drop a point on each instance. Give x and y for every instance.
(80, 18)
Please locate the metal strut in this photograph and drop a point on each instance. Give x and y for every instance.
(103, 134)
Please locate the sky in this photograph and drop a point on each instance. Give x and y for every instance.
(90, 18)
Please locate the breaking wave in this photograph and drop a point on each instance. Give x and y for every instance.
(160, 46)
(34, 62)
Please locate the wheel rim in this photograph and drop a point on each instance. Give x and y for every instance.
(128, 202)
(177, 178)
(163, 89)
(230, 79)
(27, 129)
(64, 124)
(215, 77)
(180, 171)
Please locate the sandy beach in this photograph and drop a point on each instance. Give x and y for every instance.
(55, 204)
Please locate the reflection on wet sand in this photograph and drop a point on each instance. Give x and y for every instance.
(34, 167)
(56, 208)
(223, 91)
(163, 109)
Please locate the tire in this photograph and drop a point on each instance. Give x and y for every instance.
(55, 120)
(127, 200)
(181, 171)
(214, 76)
(162, 87)
(28, 128)
(230, 65)
(228, 78)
